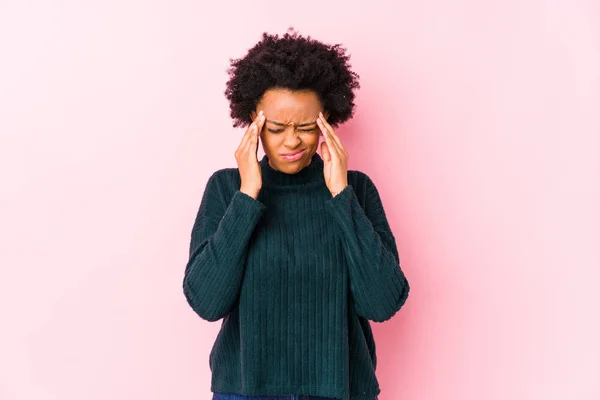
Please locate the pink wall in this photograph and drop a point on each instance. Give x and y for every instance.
(478, 121)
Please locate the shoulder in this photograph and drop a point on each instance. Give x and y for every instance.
(362, 184)
(359, 180)
(223, 182)
(223, 175)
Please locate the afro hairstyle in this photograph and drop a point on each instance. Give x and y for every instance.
(292, 62)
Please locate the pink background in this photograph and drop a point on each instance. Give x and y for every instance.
(478, 121)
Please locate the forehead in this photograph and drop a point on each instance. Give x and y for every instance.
(290, 106)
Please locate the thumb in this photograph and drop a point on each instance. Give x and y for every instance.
(325, 152)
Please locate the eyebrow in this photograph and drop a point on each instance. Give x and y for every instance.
(299, 125)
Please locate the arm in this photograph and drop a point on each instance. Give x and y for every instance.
(378, 285)
(219, 240)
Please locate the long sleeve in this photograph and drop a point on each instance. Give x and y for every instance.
(377, 283)
(219, 240)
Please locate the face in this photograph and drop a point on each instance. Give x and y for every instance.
(290, 135)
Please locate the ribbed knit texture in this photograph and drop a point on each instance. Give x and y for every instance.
(296, 275)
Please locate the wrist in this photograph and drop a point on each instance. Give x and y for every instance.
(250, 192)
(337, 191)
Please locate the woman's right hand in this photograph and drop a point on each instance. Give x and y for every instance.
(247, 158)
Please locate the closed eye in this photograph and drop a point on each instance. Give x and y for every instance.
(299, 130)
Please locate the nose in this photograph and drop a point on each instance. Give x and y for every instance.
(291, 139)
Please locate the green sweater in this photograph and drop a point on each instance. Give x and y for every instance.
(296, 275)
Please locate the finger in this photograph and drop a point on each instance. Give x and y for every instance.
(260, 121)
(331, 131)
(332, 145)
(325, 152)
(254, 148)
(253, 130)
(332, 134)
(247, 135)
(251, 145)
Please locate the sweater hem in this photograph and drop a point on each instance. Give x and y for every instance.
(274, 390)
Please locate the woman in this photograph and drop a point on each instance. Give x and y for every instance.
(293, 251)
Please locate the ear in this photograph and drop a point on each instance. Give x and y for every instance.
(252, 115)
(326, 114)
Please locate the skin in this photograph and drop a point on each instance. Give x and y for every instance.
(286, 122)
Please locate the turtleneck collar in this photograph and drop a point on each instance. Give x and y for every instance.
(313, 172)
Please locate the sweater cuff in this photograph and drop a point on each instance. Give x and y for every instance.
(347, 211)
(343, 197)
(244, 209)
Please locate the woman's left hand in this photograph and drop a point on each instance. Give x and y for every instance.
(335, 158)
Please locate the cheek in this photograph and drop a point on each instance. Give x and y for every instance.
(312, 139)
(269, 141)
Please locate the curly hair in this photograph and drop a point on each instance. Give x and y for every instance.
(292, 62)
